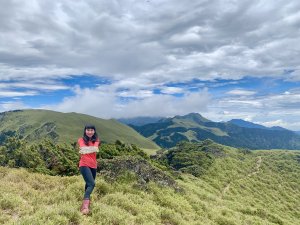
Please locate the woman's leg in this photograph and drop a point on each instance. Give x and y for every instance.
(94, 176)
(94, 172)
(89, 175)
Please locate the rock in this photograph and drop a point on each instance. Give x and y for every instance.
(144, 171)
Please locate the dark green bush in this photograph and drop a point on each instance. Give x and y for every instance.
(193, 158)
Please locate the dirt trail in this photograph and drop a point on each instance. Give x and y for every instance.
(257, 167)
(252, 172)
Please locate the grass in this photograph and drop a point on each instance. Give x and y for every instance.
(258, 188)
(186, 123)
(69, 127)
(149, 151)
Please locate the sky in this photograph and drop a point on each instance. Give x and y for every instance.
(224, 59)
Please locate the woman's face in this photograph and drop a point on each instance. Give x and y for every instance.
(89, 132)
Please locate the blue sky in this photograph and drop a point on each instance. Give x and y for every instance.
(112, 59)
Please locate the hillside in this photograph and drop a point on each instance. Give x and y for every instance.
(194, 128)
(34, 125)
(240, 187)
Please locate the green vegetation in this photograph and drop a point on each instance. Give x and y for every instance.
(233, 186)
(109, 151)
(193, 158)
(57, 159)
(33, 125)
(45, 157)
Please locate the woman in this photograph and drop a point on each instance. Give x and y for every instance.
(88, 145)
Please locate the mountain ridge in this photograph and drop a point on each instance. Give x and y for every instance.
(194, 128)
(34, 124)
(247, 124)
(140, 120)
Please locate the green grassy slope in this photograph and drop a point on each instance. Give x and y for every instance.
(67, 127)
(258, 188)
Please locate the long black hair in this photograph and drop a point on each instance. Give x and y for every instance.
(94, 138)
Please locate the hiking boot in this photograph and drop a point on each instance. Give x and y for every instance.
(85, 207)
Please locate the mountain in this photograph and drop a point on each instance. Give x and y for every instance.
(194, 128)
(247, 124)
(139, 121)
(34, 125)
(243, 123)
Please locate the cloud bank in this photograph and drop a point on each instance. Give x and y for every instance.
(153, 53)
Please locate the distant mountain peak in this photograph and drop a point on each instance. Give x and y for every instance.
(247, 124)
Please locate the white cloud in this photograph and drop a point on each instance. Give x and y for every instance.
(166, 40)
(21, 74)
(172, 90)
(47, 85)
(240, 92)
(12, 105)
(192, 35)
(104, 102)
(271, 110)
(274, 123)
(136, 94)
(17, 93)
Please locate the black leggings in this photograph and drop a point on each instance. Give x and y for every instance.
(89, 176)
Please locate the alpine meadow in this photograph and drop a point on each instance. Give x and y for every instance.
(191, 183)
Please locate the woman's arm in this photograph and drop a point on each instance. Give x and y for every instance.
(88, 149)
